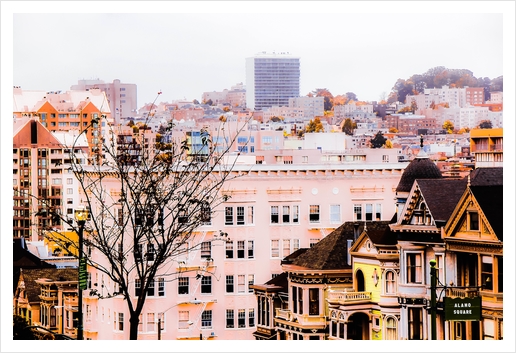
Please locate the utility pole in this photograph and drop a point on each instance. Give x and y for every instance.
(433, 303)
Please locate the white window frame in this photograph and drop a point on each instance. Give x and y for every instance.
(335, 214)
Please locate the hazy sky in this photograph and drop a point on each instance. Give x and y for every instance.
(186, 54)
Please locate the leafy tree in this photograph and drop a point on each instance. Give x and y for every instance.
(195, 101)
(349, 126)
(21, 329)
(388, 144)
(328, 97)
(448, 126)
(209, 102)
(314, 126)
(413, 106)
(393, 130)
(378, 140)
(226, 109)
(351, 96)
(485, 124)
(143, 214)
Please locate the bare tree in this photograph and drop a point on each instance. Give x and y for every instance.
(146, 199)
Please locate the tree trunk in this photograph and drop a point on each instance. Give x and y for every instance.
(133, 326)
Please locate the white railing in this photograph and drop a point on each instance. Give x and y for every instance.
(341, 297)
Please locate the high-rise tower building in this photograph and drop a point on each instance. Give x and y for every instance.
(271, 79)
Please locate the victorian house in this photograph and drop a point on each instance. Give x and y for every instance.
(473, 238)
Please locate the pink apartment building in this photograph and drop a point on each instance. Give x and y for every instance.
(274, 210)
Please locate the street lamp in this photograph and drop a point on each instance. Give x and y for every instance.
(81, 215)
(433, 297)
(195, 301)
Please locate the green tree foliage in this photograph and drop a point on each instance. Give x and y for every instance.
(348, 126)
(378, 141)
(315, 126)
(485, 124)
(21, 330)
(448, 126)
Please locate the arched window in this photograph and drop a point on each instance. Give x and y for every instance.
(390, 282)
(391, 331)
(360, 283)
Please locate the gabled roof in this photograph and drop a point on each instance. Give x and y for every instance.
(379, 233)
(441, 196)
(490, 200)
(330, 253)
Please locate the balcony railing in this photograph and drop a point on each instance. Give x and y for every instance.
(342, 297)
(284, 314)
(462, 292)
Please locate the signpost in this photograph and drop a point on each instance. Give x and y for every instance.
(462, 309)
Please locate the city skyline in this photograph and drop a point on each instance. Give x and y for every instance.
(183, 55)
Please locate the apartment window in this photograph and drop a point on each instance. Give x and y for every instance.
(150, 289)
(161, 287)
(286, 247)
(120, 321)
(314, 214)
(206, 318)
(229, 215)
(369, 212)
(241, 249)
(183, 318)
(151, 324)
(286, 214)
(241, 318)
(439, 259)
(150, 252)
(295, 214)
(357, 211)
(230, 318)
(229, 249)
(206, 249)
(250, 249)
(335, 214)
(250, 214)
(378, 211)
(69, 191)
(183, 284)
(313, 241)
(275, 248)
(390, 282)
(137, 287)
(414, 268)
(240, 215)
(250, 282)
(500, 273)
(206, 213)
(295, 245)
(251, 317)
(230, 284)
(274, 214)
(241, 283)
(206, 284)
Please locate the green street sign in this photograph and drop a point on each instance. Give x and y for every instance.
(83, 275)
(462, 309)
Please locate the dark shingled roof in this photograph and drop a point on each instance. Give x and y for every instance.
(23, 258)
(490, 199)
(331, 252)
(380, 233)
(418, 168)
(487, 176)
(442, 195)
